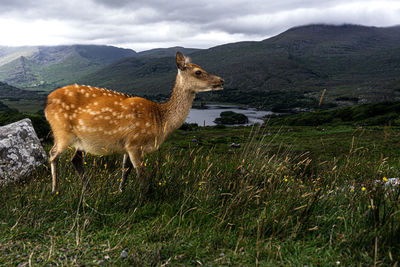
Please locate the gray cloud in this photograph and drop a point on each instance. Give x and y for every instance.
(147, 24)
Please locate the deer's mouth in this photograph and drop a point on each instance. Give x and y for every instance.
(217, 87)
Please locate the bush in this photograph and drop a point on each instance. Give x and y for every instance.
(189, 126)
(230, 117)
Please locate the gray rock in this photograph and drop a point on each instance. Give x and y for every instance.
(235, 145)
(124, 254)
(20, 151)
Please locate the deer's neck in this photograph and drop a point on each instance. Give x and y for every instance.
(176, 109)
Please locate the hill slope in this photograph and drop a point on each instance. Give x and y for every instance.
(10, 92)
(352, 61)
(49, 67)
(166, 52)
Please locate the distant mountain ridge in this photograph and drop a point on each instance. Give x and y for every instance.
(47, 67)
(356, 64)
(349, 61)
(167, 52)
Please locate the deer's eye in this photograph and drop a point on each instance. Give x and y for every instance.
(198, 72)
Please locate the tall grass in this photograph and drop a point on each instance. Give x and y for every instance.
(256, 205)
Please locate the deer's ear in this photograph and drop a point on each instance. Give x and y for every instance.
(180, 61)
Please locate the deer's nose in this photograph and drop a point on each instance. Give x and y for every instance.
(222, 81)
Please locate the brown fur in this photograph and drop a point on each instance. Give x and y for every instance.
(100, 121)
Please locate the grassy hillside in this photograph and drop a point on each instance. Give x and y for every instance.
(46, 68)
(289, 196)
(351, 62)
(22, 100)
(11, 92)
(3, 107)
(386, 113)
(166, 52)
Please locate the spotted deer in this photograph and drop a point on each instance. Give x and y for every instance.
(101, 121)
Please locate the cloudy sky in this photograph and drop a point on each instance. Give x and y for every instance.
(146, 24)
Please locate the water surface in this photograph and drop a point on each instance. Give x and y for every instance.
(207, 116)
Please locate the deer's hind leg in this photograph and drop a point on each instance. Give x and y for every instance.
(58, 148)
(126, 169)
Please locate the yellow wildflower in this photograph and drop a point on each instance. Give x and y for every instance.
(363, 188)
(385, 179)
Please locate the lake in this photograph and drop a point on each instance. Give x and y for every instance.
(207, 116)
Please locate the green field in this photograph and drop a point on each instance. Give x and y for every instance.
(288, 196)
(25, 105)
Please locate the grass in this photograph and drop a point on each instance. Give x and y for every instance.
(287, 196)
(25, 105)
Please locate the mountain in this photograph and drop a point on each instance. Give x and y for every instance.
(356, 64)
(10, 92)
(48, 67)
(352, 62)
(166, 52)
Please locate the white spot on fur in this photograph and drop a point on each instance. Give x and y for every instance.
(148, 124)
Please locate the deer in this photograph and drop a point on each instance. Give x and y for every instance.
(100, 121)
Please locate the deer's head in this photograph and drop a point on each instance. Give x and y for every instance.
(195, 78)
